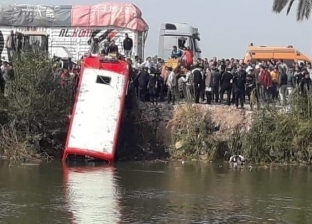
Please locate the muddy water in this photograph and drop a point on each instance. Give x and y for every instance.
(153, 193)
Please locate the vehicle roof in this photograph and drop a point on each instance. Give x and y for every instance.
(118, 66)
(268, 48)
(180, 27)
(177, 25)
(34, 32)
(278, 51)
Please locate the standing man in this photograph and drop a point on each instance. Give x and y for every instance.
(10, 45)
(197, 74)
(171, 83)
(127, 45)
(239, 86)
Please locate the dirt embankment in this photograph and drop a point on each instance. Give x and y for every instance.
(225, 118)
(153, 132)
(228, 119)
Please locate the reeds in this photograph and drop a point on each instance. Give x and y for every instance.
(275, 135)
(281, 137)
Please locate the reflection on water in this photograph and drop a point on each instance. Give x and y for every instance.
(154, 193)
(91, 194)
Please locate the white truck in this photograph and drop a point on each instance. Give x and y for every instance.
(71, 42)
(66, 31)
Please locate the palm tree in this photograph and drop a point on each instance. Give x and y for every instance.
(303, 9)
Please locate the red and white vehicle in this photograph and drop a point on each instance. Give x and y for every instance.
(98, 108)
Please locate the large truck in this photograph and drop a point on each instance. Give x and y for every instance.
(69, 29)
(66, 31)
(180, 35)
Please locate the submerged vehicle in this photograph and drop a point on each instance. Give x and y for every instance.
(288, 54)
(181, 35)
(98, 108)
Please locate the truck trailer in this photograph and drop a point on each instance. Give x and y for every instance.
(67, 30)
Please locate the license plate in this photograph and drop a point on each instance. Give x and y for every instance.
(208, 89)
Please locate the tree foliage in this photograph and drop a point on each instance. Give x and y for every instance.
(36, 108)
(303, 9)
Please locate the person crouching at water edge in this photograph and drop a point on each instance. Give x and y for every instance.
(236, 160)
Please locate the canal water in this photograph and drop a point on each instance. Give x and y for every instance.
(154, 193)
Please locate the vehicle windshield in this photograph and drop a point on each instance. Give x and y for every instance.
(36, 42)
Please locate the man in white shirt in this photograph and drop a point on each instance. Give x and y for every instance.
(171, 83)
(189, 81)
(148, 63)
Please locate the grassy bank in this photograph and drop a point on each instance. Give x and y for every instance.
(281, 137)
(33, 115)
(275, 136)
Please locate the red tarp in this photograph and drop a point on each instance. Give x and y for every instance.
(124, 15)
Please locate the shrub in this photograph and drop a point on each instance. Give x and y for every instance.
(279, 136)
(36, 107)
(276, 135)
(192, 132)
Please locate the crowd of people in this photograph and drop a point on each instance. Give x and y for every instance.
(198, 81)
(208, 81)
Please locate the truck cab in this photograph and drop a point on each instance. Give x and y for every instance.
(178, 34)
(33, 40)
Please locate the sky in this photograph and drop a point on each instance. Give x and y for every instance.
(226, 27)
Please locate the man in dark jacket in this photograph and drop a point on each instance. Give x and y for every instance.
(143, 79)
(127, 46)
(298, 75)
(226, 85)
(250, 82)
(202, 85)
(216, 79)
(152, 86)
(240, 72)
(197, 74)
(305, 83)
(239, 82)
